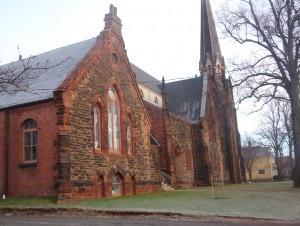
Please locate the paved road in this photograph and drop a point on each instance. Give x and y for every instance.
(126, 221)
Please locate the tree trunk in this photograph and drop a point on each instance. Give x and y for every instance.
(295, 109)
(250, 175)
(277, 162)
(291, 165)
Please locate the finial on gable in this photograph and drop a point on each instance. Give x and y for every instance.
(163, 86)
(112, 21)
(113, 10)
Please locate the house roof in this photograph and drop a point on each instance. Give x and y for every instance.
(184, 98)
(46, 81)
(146, 79)
(256, 151)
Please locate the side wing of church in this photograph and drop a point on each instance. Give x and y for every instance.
(98, 126)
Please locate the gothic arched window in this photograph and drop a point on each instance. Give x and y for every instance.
(128, 136)
(113, 121)
(97, 127)
(117, 184)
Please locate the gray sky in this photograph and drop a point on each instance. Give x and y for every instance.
(161, 37)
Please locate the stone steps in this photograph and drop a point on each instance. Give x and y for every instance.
(166, 187)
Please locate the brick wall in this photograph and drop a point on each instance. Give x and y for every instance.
(157, 130)
(2, 152)
(25, 179)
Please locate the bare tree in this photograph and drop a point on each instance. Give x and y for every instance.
(272, 131)
(271, 71)
(249, 152)
(16, 76)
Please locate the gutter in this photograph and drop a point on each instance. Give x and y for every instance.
(4, 108)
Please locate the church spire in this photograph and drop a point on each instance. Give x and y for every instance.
(210, 46)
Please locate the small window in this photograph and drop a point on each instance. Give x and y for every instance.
(128, 137)
(97, 128)
(30, 141)
(116, 185)
(142, 93)
(156, 100)
(261, 171)
(209, 69)
(218, 70)
(114, 58)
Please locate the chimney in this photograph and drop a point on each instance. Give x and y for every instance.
(112, 21)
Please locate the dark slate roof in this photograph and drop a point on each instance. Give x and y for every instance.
(256, 151)
(184, 98)
(145, 79)
(209, 37)
(42, 87)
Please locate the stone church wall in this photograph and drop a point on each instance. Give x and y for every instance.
(87, 165)
(182, 138)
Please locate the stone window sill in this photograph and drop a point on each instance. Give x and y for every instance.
(28, 165)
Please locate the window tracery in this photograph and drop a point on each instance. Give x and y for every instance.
(113, 121)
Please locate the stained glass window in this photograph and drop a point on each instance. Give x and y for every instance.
(128, 136)
(97, 128)
(30, 141)
(113, 121)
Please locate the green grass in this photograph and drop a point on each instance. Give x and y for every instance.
(276, 200)
(28, 202)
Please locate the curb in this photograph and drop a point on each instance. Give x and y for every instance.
(89, 212)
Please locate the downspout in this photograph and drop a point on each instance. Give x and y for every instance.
(6, 148)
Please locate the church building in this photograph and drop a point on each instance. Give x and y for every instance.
(95, 125)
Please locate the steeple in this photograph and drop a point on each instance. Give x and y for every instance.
(209, 46)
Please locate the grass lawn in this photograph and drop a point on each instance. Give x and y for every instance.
(273, 200)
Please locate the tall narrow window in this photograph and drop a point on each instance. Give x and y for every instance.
(113, 121)
(30, 141)
(156, 100)
(128, 137)
(97, 128)
(116, 185)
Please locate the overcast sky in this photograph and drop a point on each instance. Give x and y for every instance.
(161, 36)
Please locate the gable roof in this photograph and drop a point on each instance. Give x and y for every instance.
(184, 98)
(146, 79)
(46, 81)
(256, 151)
